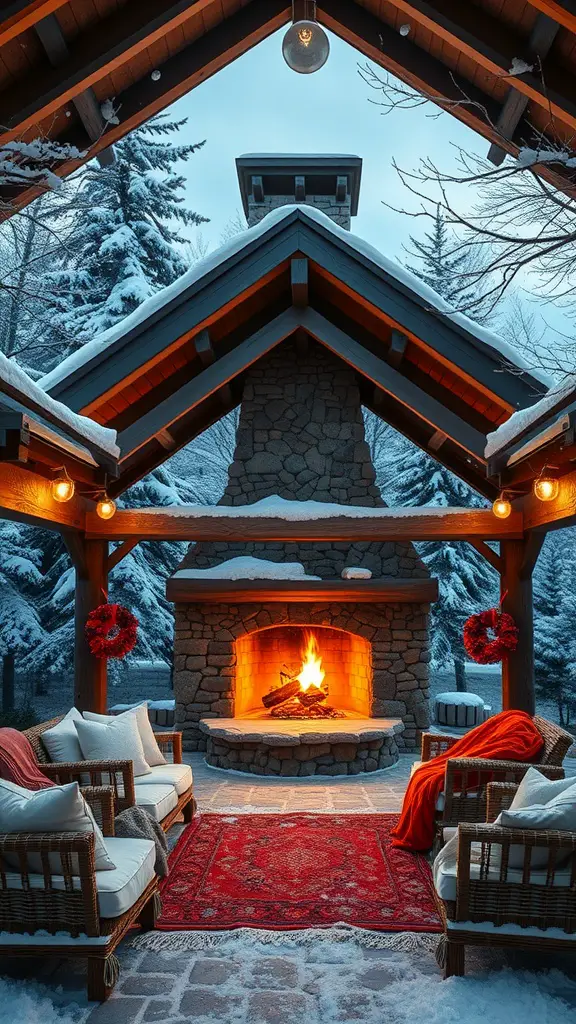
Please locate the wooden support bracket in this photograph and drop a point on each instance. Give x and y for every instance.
(532, 549)
(120, 552)
(486, 551)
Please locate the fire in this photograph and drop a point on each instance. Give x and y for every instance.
(312, 673)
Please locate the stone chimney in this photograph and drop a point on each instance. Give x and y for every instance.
(329, 182)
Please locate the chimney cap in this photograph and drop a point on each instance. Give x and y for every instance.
(289, 165)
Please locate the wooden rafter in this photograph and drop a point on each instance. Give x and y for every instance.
(27, 497)
(19, 15)
(227, 525)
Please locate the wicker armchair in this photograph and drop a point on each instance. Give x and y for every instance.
(495, 905)
(119, 775)
(464, 795)
(57, 913)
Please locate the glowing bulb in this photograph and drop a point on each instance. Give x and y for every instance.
(502, 507)
(305, 47)
(62, 488)
(546, 488)
(105, 508)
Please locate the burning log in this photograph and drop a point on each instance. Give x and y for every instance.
(281, 694)
(294, 709)
(313, 695)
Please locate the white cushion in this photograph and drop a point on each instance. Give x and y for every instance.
(556, 813)
(56, 809)
(152, 752)
(177, 775)
(115, 739)
(157, 800)
(445, 870)
(119, 889)
(61, 742)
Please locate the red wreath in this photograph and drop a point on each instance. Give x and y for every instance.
(111, 631)
(477, 641)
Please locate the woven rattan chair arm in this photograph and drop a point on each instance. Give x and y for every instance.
(506, 837)
(170, 741)
(53, 842)
(436, 739)
(101, 800)
(483, 766)
(76, 771)
(499, 797)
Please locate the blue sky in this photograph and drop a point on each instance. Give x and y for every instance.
(257, 104)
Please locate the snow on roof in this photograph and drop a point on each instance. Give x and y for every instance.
(295, 511)
(519, 422)
(245, 567)
(234, 245)
(15, 377)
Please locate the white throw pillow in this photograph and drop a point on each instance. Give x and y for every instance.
(61, 742)
(557, 813)
(535, 788)
(152, 752)
(115, 740)
(56, 809)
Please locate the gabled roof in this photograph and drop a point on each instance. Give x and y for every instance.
(175, 365)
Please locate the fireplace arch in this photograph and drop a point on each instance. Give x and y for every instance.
(263, 654)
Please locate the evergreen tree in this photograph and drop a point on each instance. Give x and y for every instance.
(554, 618)
(124, 246)
(450, 267)
(20, 586)
(467, 583)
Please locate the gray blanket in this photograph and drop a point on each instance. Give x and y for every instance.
(136, 823)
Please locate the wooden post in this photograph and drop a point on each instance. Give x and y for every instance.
(516, 590)
(90, 682)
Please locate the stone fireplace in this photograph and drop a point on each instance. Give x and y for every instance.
(301, 437)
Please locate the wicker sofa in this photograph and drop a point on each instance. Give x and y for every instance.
(464, 797)
(82, 914)
(484, 902)
(166, 793)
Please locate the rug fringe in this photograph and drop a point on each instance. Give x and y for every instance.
(405, 942)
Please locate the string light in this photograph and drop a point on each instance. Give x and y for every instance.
(62, 486)
(305, 46)
(105, 507)
(502, 507)
(546, 487)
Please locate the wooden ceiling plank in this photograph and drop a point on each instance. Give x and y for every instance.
(20, 15)
(562, 11)
(390, 524)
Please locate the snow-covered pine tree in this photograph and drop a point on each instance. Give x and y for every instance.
(449, 266)
(20, 586)
(554, 618)
(467, 583)
(125, 243)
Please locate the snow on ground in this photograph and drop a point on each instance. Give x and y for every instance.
(14, 376)
(245, 567)
(24, 1002)
(557, 397)
(398, 274)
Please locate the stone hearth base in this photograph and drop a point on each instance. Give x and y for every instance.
(296, 748)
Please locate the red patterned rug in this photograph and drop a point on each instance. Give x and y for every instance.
(285, 871)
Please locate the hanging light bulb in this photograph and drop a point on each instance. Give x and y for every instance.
(105, 507)
(62, 486)
(546, 487)
(305, 46)
(502, 507)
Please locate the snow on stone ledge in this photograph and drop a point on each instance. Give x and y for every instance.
(295, 511)
(14, 376)
(234, 245)
(524, 418)
(354, 572)
(245, 567)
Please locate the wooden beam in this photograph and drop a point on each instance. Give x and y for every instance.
(562, 11)
(246, 591)
(206, 383)
(551, 515)
(395, 353)
(27, 498)
(492, 43)
(87, 107)
(194, 523)
(541, 38)
(90, 678)
(491, 556)
(119, 553)
(390, 380)
(437, 440)
(166, 440)
(299, 282)
(532, 548)
(20, 15)
(76, 547)
(518, 691)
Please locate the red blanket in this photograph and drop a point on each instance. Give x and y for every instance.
(509, 736)
(18, 763)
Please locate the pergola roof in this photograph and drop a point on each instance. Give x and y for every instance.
(61, 59)
(177, 364)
